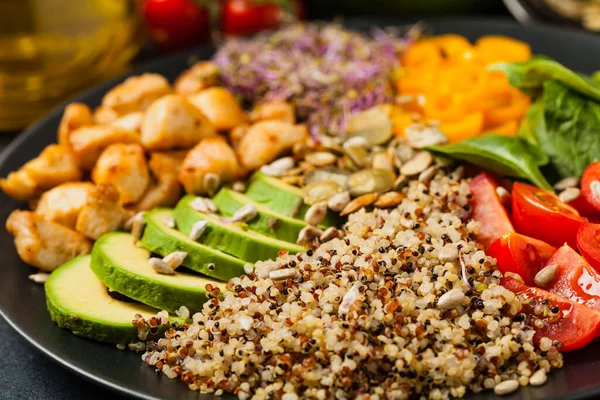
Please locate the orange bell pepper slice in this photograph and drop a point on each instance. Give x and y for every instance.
(424, 53)
(470, 126)
(492, 48)
(510, 128)
(454, 47)
(514, 109)
(401, 119)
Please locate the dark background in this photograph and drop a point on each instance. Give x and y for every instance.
(26, 374)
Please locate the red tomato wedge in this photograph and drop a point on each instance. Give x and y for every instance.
(488, 209)
(541, 214)
(575, 325)
(576, 280)
(584, 207)
(521, 255)
(590, 184)
(588, 243)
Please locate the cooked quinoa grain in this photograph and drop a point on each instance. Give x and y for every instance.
(374, 314)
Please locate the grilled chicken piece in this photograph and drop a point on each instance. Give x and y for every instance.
(124, 167)
(172, 122)
(162, 162)
(196, 78)
(89, 142)
(220, 107)
(273, 110)
(212, 155)
(136, 93)
(266, 140)
(44, 244)
(105, 116)
(63, 203)
(55, 165)
(164, 192)
(129, 122)
(75, 116)
(102, 213)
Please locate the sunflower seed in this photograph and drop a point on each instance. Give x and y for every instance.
(400, 182)
(420, 135)
(137, 225)
(316, 213)
(506, 387)
(328, 234)
(309, 234)
(283, 274)
(389, 199)
(168, 221)
(538, 378)
(566, 183)
(198, 229)
(356, 141)
(503, 195)
(320, 158)
(248, 268)
(175, 259)
(514, 276)
(417, 164)
(160, 266)
(381, 161)
(546, 275)
(199, 204)
(451, 299)
(278, 167)
(569, 194)
(349, 298)
(39, 277)
(245, 213)
(239, 186)
(339, 201)
(427, 175)
(358, 203)
(212, 182)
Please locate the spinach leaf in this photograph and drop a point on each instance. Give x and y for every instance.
(504, 155)
(530, 125)
(530, 76)
(571, 137)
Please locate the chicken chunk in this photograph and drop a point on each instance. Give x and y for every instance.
(129, 122)
(162, 162)
(44, 244)
(124, 167)
(266, 140)
(196, 78)
(173, 122)
(102, 213)
(273, 110)
(136, 93)
(212, 155)
(236, 134)
(90, 141)
(165, 192)
(63, 203)
(55, 165)
(75, 116)
(104, 115)
(221, 108)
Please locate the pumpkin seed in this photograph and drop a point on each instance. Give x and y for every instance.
(417, 164)
(316, 213)
(569, 194)
(566, 183)
(212, 182)
(373, 124)
(339, 201)
(382, 161)
(400, 182)
(300, 150)
(357, 141)
(320, 158)
(389, 199)
(420, 135)
(338, 175)
(358, 155)
(332, 144)
(320, 191)
(370, 181)
(358, 203)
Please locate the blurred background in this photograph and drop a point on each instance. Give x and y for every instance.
(52, 49)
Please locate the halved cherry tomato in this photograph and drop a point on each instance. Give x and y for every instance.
(576, 280)
(590, 184)
(588, 243)
(576, 325)
(584, 207)
(488, 209)
(521, 255)
(540, 214)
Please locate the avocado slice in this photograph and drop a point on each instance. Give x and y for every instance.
(230, 237)
(160, 239)
(267, 222)
(78, 301)
(123, 266)
(282, 198)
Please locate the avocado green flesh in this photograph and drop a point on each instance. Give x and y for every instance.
(267, 222)
(160, 239)
(230, 237)
(78, 301)
(282, 198)
(123, 266)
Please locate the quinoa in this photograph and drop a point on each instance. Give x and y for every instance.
(374, 314)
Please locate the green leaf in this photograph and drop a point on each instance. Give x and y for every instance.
(530, 76)
(530, 125)
(504, 155)
(571, 137)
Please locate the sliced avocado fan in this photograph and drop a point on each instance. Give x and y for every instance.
(160, 239)
(282, 198)
(267, 222)
(123, 266)
(230, 237)
(78, 301)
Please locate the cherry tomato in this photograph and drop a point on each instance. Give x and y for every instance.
(175, 24)
(583, 206)
(590, 184)
(542, 215)
(574, 326)
(521, 255)
(576, 280)
(588, 243)
(243, 17)
(488, 209)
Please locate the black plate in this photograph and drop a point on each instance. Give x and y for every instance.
(22, 303)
